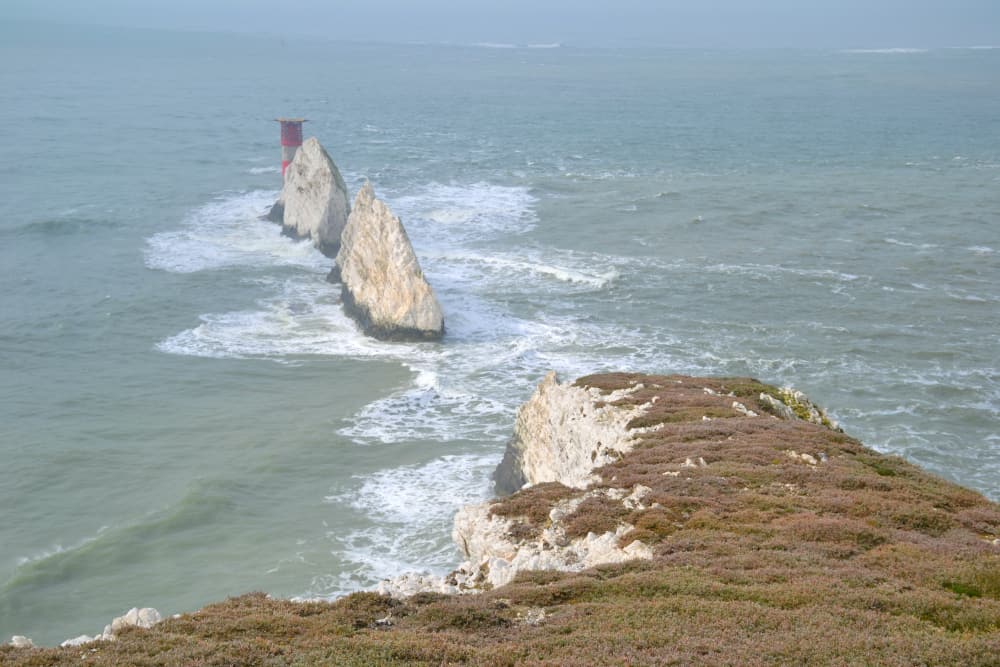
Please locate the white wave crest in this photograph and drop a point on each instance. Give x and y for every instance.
(58, 549)
(229, 232)
(529, 264)
(303, 318)
(894, 50)
(408, 506)
(460, 213)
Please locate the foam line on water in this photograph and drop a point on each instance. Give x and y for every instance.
(461, 213)
(58, 549)
(887, 51)
(228, 232)
(529, 264)
(304, 318)
(408, 506)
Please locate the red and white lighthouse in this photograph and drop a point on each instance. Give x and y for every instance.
(291, 139)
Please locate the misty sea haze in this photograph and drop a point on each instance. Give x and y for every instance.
(186, 413)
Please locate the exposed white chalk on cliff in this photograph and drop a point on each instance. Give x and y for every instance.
(495, 554)
(314, 201)
(794, 404)
(146, 617)
(563, 433)
(383, 287)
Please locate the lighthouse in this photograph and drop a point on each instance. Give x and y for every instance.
(291, 139)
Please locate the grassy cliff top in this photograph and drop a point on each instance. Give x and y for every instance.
(776, 542)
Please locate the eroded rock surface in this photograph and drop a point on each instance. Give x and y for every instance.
(383, 287)
(575, 518)
(314, 201)
(146, 617)
(563, 433)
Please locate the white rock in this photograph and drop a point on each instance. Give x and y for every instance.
(315, 199)
(562, 433)
(634, 500)
(383, 286)
(146, 617)
(792, 399)
(490, 549)
(806, 458)
(743, 410)
(20, 641)
(77, 641)
(533, 616)
(411, 583)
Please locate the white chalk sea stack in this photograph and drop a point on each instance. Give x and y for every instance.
(383, 287)
(314, 201)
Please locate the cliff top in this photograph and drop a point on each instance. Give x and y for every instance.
(775, 540)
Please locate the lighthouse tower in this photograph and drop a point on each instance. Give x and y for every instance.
(291, 139)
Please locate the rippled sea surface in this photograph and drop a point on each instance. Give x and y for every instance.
(185, 412)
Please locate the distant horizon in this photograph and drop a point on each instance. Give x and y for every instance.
(718, 24)
(898, 48)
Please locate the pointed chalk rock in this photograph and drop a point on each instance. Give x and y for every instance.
(562, 434)
(314, 203)
(383, 286)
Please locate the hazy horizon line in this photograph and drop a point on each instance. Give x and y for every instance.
(497, 44)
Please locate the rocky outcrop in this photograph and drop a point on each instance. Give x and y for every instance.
(495, 551)
(791, 404)
(563, 433)
(314, 202)
(383, 287)
(146, 617)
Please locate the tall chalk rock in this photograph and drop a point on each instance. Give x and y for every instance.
(383, 286)
(314, 202)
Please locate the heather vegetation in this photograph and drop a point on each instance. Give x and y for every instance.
(776, 541)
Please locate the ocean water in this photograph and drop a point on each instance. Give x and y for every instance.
(186, 414)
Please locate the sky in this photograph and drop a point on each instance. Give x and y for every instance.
(616, 23)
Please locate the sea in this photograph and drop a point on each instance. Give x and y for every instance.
(186, 413)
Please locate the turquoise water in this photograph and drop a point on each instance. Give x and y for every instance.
(186, 413)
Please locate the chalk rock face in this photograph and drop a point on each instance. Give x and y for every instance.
(20, 641)
(495, 553)
(77, 641)
(495, 556)
(383, 286)
(562, 433)
(314, 202)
